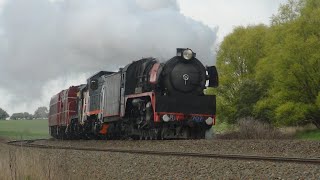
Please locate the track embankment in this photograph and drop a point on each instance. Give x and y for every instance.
(208, 159)
(34, 144)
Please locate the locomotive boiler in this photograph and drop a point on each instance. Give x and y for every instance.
(144, 100)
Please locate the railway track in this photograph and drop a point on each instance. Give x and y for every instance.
(30, 144)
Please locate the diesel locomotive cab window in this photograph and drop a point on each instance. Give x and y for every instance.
(94, 84)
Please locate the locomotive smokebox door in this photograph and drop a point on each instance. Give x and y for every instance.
(213, 76)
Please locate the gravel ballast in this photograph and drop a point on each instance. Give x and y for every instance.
(75, 164)
(287, 148)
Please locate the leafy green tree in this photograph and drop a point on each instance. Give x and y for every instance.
(250, 93)
(20, 116)
(292, 65)
(236, 60)
(16, 116)
(41, 113)
(27, 116)
(288, 12)
(3, 114)
(272, 73)
(318, 100)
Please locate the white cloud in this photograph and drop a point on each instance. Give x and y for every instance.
(48, 90)
(229, 14)
(2, 2)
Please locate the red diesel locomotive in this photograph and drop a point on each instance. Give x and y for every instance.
(144, 100)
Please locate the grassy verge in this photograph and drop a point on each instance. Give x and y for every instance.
(309, 134)
(252, 129)
(24, 129)
(249, 128)
(222, 127)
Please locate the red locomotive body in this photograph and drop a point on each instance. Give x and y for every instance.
(63, 106)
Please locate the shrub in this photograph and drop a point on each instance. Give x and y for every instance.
(250, 128)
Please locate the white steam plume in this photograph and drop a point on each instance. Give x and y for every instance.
(42, 41)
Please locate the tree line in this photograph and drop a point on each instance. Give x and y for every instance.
(40, 113)
(272, 73)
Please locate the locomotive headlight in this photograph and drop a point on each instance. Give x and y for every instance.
(165, 118)
(209, 121)
(187, 54)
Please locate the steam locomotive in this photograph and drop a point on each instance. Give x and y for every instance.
(144, 100)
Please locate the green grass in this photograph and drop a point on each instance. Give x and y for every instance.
(222, 127)
(309, 134)
(24, 129)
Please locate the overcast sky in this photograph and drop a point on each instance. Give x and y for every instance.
(231, 13)
(47, 45)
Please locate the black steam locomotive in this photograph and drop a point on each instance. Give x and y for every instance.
(144, 100)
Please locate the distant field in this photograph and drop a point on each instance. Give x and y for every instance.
(24, 129)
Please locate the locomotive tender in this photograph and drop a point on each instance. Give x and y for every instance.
(144, 100)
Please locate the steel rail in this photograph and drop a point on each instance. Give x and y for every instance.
(29, 143)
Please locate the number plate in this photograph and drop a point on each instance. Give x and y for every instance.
(197, 118)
